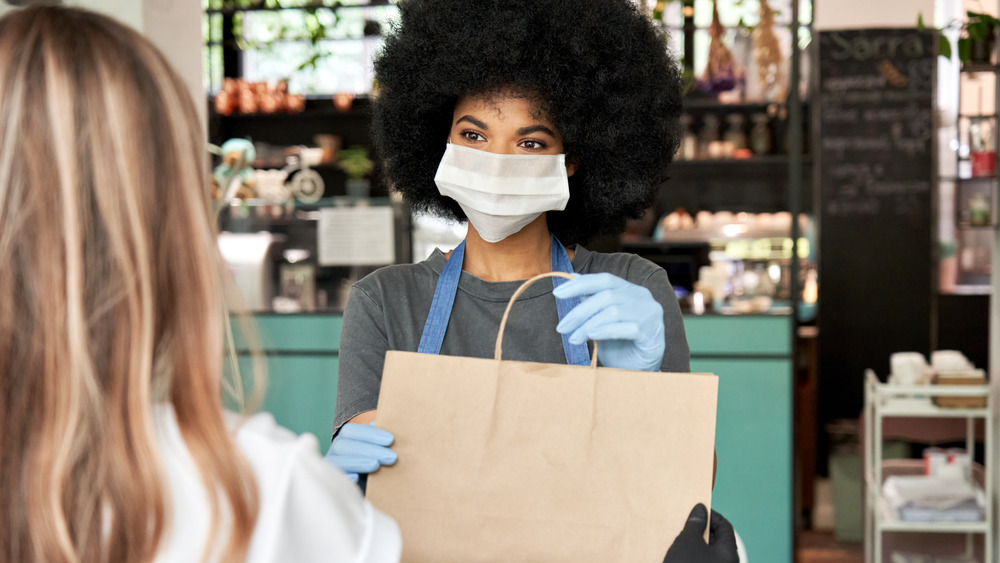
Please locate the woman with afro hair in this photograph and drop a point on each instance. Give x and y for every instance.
(543, 123)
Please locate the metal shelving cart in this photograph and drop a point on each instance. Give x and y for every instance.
(886, 400)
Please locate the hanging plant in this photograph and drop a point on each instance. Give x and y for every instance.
(768, 56)
(721, 72)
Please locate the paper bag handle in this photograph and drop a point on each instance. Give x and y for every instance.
(498, 351)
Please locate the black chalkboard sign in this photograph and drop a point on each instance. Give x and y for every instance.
(876, 123)
(876, 167)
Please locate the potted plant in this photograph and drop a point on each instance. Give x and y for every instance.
(355, 163)
(978, 40)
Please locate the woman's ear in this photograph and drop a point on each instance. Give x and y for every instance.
(570, 166)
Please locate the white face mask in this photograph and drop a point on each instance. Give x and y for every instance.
(501, 193)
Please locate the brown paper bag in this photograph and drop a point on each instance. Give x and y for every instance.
(518, 461)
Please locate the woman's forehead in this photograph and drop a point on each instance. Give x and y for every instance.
(504, 104)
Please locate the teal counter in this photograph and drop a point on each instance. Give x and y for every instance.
(302, 355)
(753, 439)
(750, 354)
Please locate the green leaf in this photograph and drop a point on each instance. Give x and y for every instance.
(944, 46)
(920, 21)
(687, 77)
(978, 30)
(310, 62)
(964, 49)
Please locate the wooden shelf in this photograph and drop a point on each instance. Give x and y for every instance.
(889, 523)
(309, 6)
(316, 106)
(705, 104)
(281, 116)
(763, 160)
(979, 67)
(970, 179)
(968, 290)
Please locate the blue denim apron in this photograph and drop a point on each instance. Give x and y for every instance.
(447, 287)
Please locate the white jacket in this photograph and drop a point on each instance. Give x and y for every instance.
(309, 510)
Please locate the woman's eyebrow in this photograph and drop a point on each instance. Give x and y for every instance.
(535, 129)
(473, 121)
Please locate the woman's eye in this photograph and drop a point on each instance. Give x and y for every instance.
(472, 136)
(533, 145)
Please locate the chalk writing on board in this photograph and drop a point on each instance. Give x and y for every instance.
(862, 46)
(876, 122)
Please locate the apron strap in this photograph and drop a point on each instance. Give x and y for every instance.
(576, 354)
(447, 287)
(444, 299)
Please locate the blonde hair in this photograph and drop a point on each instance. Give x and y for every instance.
(111, 296)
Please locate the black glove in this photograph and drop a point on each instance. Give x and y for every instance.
(690, 546)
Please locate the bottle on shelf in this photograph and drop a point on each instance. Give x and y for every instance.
(982, 147)
(760, 135)
(688, 149)
(708, 138)
(979, 210)
(736, 144)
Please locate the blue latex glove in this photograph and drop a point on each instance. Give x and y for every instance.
(361, 448)
(690, 546)
(622, 316)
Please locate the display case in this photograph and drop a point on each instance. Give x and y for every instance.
(301, 189)
(744, 151)
(294, 257)
(735, 263)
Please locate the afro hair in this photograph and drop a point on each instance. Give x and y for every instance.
(601, 69)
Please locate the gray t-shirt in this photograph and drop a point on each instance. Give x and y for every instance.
(387, 311)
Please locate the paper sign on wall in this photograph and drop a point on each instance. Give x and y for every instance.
(356, 236)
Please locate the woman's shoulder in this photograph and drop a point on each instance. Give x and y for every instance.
(625, 265)
(261, 433)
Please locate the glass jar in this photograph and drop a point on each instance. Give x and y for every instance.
(760, 134)
(982, 145)
(708, 139)
(752, 289)
(979, 210)
(688, 149)
(735, 137)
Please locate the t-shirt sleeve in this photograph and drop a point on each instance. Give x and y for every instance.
(309, 510)
(676, 356)
(363, 343)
